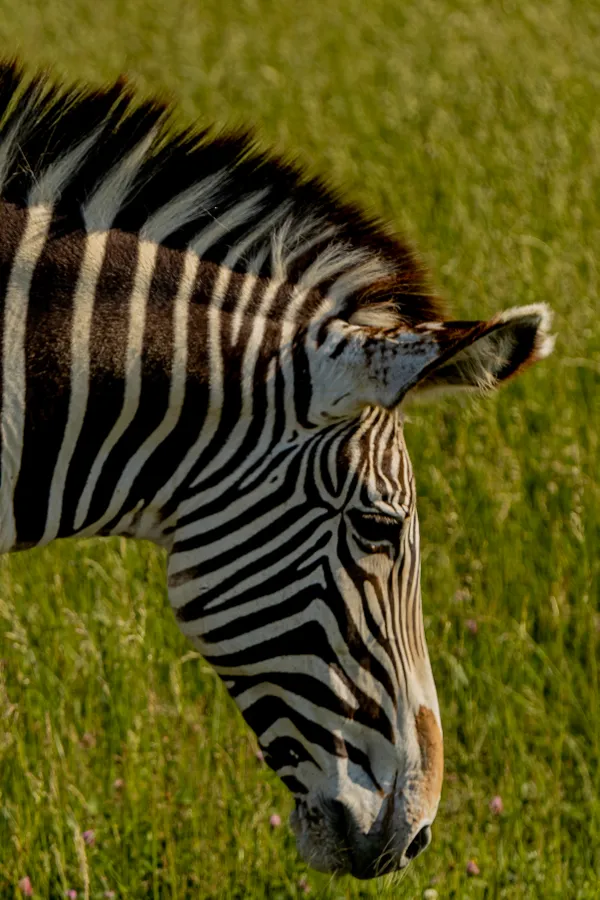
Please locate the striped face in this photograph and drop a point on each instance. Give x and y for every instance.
(296, 573)
(308, 605)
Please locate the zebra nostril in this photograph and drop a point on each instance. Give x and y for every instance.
(420, 842)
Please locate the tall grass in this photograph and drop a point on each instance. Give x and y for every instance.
(475, 127)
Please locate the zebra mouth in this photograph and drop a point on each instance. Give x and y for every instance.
(316, 844)
(329, 841)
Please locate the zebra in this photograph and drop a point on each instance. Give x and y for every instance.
(206, 347)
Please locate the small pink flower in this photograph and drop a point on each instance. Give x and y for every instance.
(89, 837)
(303, 885)
(275, 821)
(472, 868)
(496, 805)
(260, 755)
(471, 625)
(118, 784)
(71, 894)
(109, 895)
(25, 886)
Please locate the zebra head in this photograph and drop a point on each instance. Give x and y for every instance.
(304, 591)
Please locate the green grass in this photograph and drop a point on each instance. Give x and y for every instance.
(475, 127)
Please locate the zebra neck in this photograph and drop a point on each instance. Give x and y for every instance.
(130, 372)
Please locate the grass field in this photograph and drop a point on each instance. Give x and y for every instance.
(474, 127)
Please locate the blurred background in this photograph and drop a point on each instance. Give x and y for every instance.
(474, 128)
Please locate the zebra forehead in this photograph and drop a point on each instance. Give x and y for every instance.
(122, 164)
(371, 447)
(379, 435)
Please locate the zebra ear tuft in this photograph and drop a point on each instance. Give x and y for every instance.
(360, 365)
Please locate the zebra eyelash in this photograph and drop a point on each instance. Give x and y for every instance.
(374, 529)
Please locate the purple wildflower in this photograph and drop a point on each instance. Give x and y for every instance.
(496, 805)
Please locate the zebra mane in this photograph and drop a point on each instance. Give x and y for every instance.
(69, 142)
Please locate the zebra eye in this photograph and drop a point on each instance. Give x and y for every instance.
(375, 529)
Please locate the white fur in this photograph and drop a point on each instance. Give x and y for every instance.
(101, 209)
(377, 315)
(56, 177)
(183, 208)
(232, 218)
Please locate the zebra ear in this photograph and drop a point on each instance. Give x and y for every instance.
(490, 353)
(365, 365)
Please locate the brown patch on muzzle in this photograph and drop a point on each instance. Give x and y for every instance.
(431, 745)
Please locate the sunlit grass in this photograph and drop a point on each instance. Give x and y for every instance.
(475, 127)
